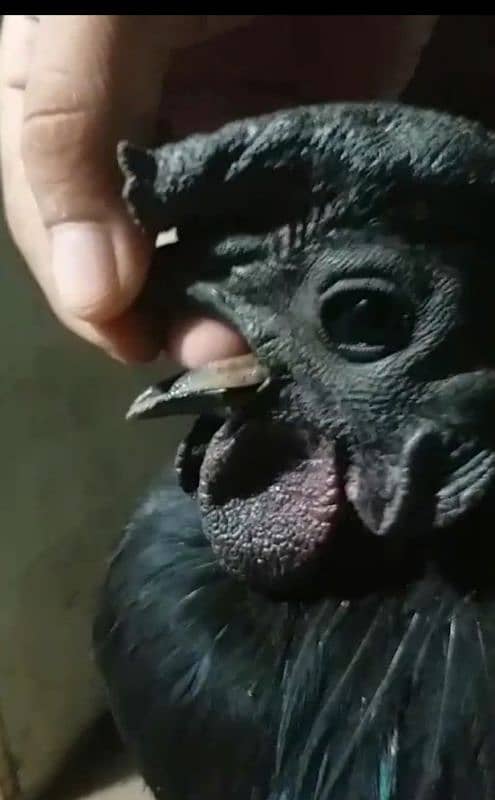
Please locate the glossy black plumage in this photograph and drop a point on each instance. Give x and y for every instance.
(221, 692)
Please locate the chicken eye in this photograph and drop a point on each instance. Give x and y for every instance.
(367, 323)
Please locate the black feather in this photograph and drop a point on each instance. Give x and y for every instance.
(385, 698)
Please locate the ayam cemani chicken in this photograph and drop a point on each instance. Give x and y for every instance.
(307, 612)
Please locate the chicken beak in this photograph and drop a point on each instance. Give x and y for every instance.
(223, 384)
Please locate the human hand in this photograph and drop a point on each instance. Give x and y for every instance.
(72, 86)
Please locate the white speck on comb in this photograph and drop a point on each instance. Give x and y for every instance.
(167, 237)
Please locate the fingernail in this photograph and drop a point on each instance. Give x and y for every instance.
(84, 269)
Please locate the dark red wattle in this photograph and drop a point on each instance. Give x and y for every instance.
(270, 500)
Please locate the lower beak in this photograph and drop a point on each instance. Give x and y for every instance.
(221, 384)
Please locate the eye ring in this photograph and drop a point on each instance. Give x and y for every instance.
(366, 320)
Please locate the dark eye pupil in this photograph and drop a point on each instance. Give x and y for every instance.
(368, 321)
(373, 320)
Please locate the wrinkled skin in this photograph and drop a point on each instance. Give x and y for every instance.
(321, 584)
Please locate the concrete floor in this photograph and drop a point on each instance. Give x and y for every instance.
(98, 770)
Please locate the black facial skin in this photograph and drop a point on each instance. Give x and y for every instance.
(309, 614)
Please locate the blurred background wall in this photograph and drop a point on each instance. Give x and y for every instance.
(71, 471)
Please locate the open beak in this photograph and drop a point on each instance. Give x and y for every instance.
(223, 384)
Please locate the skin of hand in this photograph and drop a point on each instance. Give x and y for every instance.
(72, 86)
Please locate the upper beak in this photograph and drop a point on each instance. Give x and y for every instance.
(220, 384)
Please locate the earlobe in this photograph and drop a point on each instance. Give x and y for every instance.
(412, 507)
(468, 484)
(399, 498)
(461, 407)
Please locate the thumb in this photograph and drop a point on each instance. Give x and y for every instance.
(94, 80)
(91, 80)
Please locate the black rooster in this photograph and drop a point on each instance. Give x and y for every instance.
(310, 614)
